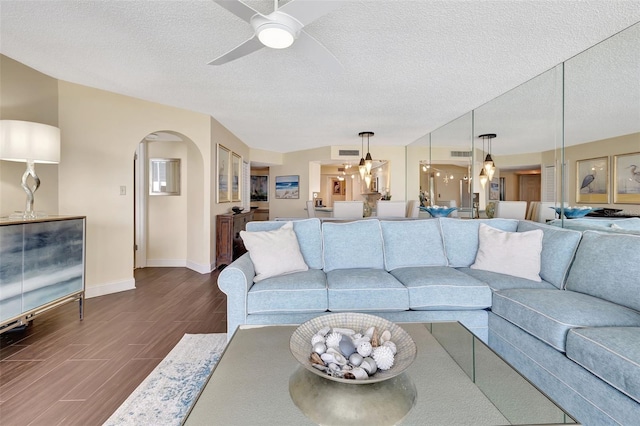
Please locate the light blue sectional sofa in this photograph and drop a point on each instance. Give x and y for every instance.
(575, 333)
(580, 345)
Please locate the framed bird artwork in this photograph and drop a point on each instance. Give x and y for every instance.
(592, 181)
(626, 184)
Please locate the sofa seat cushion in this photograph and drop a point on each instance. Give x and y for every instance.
(611, 353)
(497, 281)
(365, 290)
(442, 288)
(550, 314)
(292, 293)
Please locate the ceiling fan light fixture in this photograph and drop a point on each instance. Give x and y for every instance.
(276, 35)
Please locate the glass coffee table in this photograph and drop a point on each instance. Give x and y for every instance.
(455, 380)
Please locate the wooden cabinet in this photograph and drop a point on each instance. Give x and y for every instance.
(41, 267)
(229, 245)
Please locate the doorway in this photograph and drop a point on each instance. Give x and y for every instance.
(165, 223)
(530, 187)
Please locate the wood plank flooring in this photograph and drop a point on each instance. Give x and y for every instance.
(63, 371)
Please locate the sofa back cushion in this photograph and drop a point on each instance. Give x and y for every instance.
(350, 245)
(308, 233)
(460, 237)
(629, 224)
(608, 266)
(409, 243)
(558, 249)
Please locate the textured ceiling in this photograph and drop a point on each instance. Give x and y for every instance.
(409, 66)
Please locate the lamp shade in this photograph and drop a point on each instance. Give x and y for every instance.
(25, 140)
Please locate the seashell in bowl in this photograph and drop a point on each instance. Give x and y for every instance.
(301, 348)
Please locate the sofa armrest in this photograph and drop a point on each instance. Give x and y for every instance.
(235, 281)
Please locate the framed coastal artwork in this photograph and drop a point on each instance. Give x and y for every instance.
(236, 161)
(626, 178)
(223, 172)
(494, 190)
(592, 181)
(288, 187)
(259, 188)
(338, 186)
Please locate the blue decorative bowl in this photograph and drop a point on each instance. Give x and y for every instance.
(441, 212)
(573, 213)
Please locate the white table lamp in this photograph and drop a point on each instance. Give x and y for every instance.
(30, 143)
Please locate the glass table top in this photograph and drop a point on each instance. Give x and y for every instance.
(455, 379)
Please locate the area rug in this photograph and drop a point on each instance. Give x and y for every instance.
(165, 396)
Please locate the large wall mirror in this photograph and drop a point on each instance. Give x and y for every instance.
(602, 125)
(526, 123)
(581, 117)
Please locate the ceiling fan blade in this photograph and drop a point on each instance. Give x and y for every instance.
(307, 11)
(244, 49)
(238, 8)
(316, 51)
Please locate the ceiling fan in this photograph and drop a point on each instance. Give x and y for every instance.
(282, 28)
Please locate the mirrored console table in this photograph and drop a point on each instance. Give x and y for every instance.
(42, 266)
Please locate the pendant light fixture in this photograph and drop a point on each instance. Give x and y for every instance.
(489, 166)
(368, 161)
(483, 173)
(361, 167)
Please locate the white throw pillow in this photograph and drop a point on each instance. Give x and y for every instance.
(274, 252)
(510, 253)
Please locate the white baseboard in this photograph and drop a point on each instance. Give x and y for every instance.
(179, 263)
(202, 269)
(166, 263)
(108, 288)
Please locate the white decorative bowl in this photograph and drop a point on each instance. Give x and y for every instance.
(300, 343)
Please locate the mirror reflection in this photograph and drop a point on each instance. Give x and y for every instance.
(602, 121)
(570, 136)
(164, 176)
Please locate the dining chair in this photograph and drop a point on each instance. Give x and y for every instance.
(348, 209)
(413, 208)
(311, 208)
(511, 209)
(391, 208)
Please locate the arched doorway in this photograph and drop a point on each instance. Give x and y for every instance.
(166, 222)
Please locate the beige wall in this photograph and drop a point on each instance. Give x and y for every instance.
(28, 95)
(221, 135)
(167, 214)
(294, 163)
(297, 163)
(101, 133)
(607, 147)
